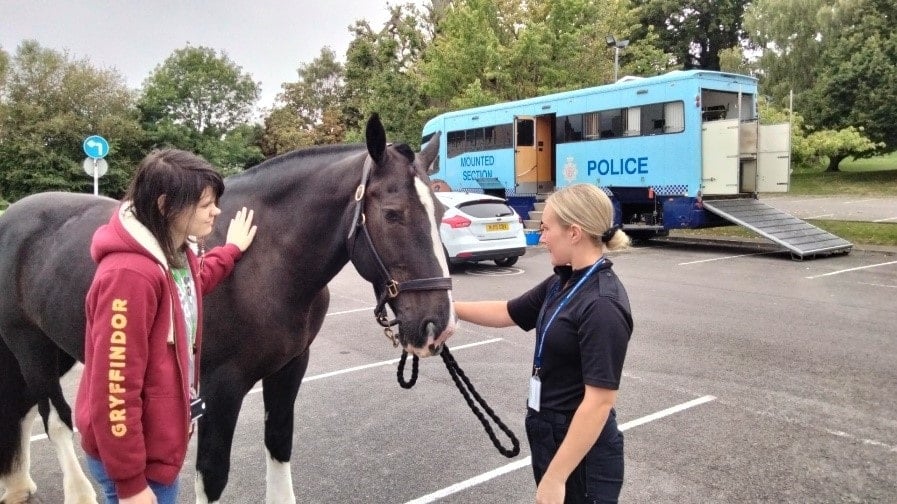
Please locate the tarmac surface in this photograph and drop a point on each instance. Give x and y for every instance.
(750, 377)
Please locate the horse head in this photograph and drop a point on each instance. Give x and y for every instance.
(394, 243)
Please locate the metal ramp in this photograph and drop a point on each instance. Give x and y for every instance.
(800, 237)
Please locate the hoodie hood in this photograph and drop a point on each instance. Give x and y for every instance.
(124, 233)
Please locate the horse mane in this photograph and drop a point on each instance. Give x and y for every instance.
(299, 154)
(319, 150)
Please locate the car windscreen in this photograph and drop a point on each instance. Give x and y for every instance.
(486, 209)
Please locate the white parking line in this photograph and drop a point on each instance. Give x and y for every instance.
(377, 364)
(885, 220)
(525, 462)
(723, 258)
(849, 270)
(38, 437)
(819, 216)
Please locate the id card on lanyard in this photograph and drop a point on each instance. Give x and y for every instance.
(535, 382)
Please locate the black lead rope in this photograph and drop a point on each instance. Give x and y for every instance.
(467, 390)
(400, 374)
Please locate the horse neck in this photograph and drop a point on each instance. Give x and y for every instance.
(307, 211)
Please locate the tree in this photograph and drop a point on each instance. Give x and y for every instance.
(309, 110)
(695, 31)
(381, 75)
(468, 46)
(840, 58)
(839, 145)
(200, 89)
(51, 103)
(195, 100)
(856, 84)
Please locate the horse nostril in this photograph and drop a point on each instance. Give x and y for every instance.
(436, 349)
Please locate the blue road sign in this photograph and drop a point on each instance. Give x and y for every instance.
(96, 147)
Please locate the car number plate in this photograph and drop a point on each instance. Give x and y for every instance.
(501, 226)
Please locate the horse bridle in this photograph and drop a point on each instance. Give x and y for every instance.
(392, 288)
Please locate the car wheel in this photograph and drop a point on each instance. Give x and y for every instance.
(448, 260)
(507, 261)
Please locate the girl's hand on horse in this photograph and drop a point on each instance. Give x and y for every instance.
(241, 232)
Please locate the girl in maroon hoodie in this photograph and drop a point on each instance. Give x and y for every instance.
(144, 331)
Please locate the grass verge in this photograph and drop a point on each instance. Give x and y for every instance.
(858, 177)
(858, 233)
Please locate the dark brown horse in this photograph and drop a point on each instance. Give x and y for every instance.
(316, 210)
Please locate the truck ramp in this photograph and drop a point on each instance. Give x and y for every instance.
(800, 237)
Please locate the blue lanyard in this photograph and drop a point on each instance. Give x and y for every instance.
(537, 359)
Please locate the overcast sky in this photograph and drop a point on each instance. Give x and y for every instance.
(268, 38)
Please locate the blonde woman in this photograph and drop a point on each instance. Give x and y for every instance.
(583, 323)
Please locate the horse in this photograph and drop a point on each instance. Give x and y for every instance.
(316, 209)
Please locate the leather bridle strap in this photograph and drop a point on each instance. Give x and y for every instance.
(392, 288)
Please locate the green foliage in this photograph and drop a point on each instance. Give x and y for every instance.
(51, 103)
(309, 107)
(695, 32)
(837, 145)
(200, 89)
(201, 101)
(838, 56)
(381, 78)
(491, 51)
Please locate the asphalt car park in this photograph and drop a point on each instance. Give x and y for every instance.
(750, 378)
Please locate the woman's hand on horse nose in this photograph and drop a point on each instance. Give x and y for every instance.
(241, 232)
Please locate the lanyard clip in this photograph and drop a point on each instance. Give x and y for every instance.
(536, 371)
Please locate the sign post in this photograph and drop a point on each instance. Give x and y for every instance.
(96, 148)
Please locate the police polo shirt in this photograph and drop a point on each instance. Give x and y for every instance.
(586, 344)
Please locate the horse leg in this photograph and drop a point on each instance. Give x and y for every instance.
(17, 414)
(223, 394)
(59, 427)
(279, 391)
(40, 364)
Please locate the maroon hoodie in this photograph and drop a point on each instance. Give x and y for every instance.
(133, 404)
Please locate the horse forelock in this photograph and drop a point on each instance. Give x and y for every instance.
(405, 150)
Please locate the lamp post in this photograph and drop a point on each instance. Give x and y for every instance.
(617, 45)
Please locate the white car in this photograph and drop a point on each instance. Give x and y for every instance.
(479, 227)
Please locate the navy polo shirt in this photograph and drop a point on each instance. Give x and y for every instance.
(586, 344)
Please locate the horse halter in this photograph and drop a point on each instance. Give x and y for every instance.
(391, 288)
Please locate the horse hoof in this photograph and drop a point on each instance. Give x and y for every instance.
(20, 496)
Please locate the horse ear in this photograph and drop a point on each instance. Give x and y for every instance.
(429, 153)
(375, 136)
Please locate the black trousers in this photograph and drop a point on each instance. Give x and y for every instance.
(599, 477)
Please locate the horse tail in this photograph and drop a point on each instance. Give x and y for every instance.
(15, 402)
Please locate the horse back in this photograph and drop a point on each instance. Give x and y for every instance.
(46, 268)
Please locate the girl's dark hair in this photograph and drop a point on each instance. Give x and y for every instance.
(181, 177)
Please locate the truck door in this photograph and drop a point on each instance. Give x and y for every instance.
(720, 157)
(525, 154)
(774, 158)
(533, 154)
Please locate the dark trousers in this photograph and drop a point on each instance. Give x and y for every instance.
(599, 477)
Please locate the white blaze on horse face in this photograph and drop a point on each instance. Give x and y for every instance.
(76, 486)
(427, 200)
